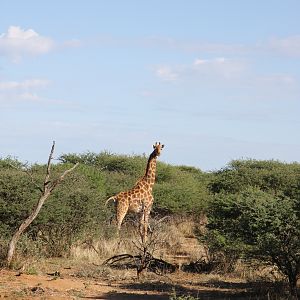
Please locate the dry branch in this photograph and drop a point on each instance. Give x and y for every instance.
(145, 259)
(140, 262)
(46, 191)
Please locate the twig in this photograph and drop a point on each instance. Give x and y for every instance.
(47, 177)
(59, 179)
(90, 245)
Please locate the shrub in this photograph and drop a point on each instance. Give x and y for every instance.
(254, 223)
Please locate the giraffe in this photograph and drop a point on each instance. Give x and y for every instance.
(139, 199)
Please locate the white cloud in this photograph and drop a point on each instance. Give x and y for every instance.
(195, 45)
(199, 61)
(74, 43)
(17, 43)
(289, 46)
(28, 96)
(28, 92)
(220, 67)
(166, 73)
(21, 91)
(25, 84)
(278, 79)
(215, 68)
(146, 93)
(214, 61)
(235, 76)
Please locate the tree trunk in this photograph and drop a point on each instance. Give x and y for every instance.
(23, 226)
(46, 191)
(293, 285)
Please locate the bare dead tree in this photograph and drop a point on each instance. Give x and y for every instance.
(48, 186)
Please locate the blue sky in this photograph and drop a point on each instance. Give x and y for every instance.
(212, 80)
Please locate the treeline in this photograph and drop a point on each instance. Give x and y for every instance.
(253, 207)
(76, 208)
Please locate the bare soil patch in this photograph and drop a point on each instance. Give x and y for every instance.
(73, 283)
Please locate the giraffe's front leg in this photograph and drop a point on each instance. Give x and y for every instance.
(144, 223)
(141, 225)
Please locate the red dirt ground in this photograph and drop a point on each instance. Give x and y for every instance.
(14, 285)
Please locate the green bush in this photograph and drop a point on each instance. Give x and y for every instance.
(132, 165)
(76, 209)
(255, 213)
(76, 206)
(17, 198)
(177, 189)
(270, 176)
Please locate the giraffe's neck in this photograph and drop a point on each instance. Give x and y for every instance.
(151, 169)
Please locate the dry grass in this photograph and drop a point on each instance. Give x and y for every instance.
(185, 226)
(170, 238)
(174, 241)
(256, 271)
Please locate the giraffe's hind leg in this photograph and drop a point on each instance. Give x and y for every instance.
(120, 215)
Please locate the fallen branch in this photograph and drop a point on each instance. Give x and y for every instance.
(128, 261)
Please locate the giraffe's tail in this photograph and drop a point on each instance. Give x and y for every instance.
(111, 198)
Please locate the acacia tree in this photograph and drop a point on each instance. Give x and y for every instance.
(255, 211)
(256, 224)
(48, 186)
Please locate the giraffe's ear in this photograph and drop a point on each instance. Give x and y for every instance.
(162, 145)
(153, 146)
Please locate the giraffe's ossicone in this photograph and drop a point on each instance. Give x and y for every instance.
(139, 199)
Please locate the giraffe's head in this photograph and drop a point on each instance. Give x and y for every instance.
(157, 148)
